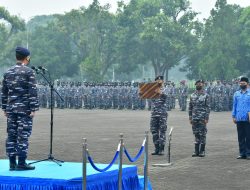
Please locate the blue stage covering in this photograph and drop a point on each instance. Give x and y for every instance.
(50, 176)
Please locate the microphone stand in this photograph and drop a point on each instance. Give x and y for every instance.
(51, 84)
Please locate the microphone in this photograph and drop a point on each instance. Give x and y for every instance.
(42, 68)
(35, 69)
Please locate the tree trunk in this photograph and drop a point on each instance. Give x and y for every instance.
(156, 67)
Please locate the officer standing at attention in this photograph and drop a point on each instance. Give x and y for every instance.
(241, 117)
(158, 123)
(199, 110)
(19, 103)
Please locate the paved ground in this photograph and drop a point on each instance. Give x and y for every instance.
(219, 170)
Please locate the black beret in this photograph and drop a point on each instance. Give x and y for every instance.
(22, 51)
(200, 80)
(159, 78)
(244, 79)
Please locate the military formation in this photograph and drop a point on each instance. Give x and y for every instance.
(106, 95)
(124, 95)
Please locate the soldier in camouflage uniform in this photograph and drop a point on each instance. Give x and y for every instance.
(168, 89)
(183, 94)
(19, 103)
(218, 96)
(121, 93)
(199, 109)
(173, 95)
(226, 91)
(115, 96)
(158, 123)
(0, 93)
(135, 96)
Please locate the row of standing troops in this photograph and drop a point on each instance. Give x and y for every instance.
(125, 95)
(221, 95)
(101, 96)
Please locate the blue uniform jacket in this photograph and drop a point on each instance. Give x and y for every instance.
(19, 91)
(241, 105)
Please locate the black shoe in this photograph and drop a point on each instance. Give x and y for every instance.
(161, 153)
(195, 154)
(156, 152)
(12, 163)
(161, 150)
(12, 166)
(25, 166)
(242, 157)
(202, 150)
(202, 154)
(196, 150)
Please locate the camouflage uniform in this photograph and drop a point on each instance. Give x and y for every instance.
(218, 97)
(158, 123)
(0, 93)
(183, 93)
(19, 99)
(199, 109)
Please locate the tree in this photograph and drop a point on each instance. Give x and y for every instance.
(167, 35)
(156, 32)
(8, 31)
(217, 53)
(244, 49)
(16, 24)
(91, 32)
(50, 45)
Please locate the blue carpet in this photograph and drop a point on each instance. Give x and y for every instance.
(50, 176)
(141, 181)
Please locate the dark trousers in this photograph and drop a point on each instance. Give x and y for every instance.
(19, 127)
(158, 128)
(243, 129)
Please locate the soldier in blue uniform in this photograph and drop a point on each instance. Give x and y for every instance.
(199, 110)
(158, 123)
(19, 103)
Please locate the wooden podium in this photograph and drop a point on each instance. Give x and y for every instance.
(150, 90)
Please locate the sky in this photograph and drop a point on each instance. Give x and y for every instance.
(27, 9)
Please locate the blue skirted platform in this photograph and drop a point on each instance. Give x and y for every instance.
(50, 176)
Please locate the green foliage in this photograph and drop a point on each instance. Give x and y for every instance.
(167, 35)
(244, 50)
(9, 30)
(50, 47)
(90, 68)
(217, 54)
(157, 31)
(16, 23)
(40, 21)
